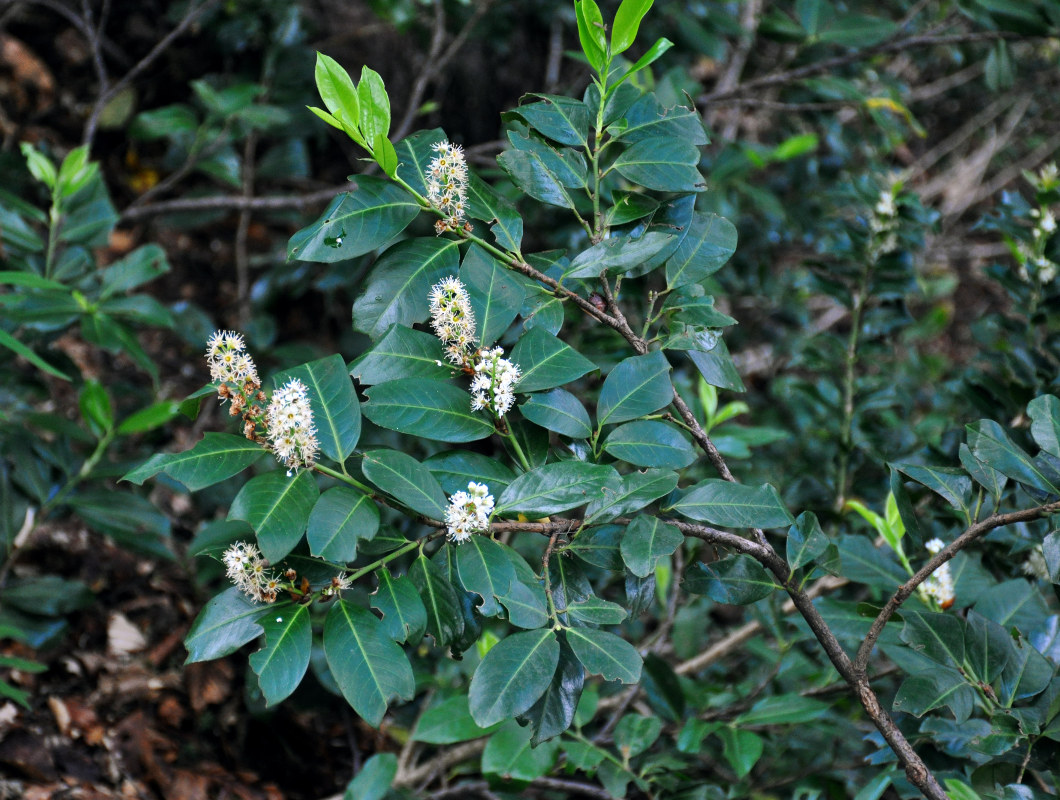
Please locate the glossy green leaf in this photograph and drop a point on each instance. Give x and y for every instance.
(637, 386)
(513, 675)
(561, 119)
(149, 418)
(404, 616)
(496, 297)
(486, 204)
(646, 540)
(546, 361)
(340, 518)
(1027, 673)
(554, 711)
(423, 407)
(355, 222)
(485, 570)
(367, 666)
(663, 164)
(650, 443)
(531, 173)
(597, 611)
(511, 755)
(216, 457)
(591, 32)
(1044, 412)
(405, 479)
(734, 505)
(336, 89)
(526, 605)
(277, 507)
(400, 281)
(605, 654)
(374, 106)
(374, 779)
(558, 411)
(1013, 603)
(282, 663)
(741, 749)
(225, 624)
(806, 541)
(928, 690)
(627, 22)
(785, 709)
(415, 153)
(987, 648)
(983, 474)
(564, 167)
(865, 563)
(448, 722)
(940, 637)
(454, 469)
(15, 346)
(401, 353)
(556, 487)
(991, 445)
(638, 490)
(952, 484)
(336, 412)
(618, 254)
(445, 621)
(709, 244)
(599, 546)
(647, 118)
(734, 580)
(717, 367)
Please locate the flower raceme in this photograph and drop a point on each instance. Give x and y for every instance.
(289, 425)
(248, 570)
(468, 513)
(939, 587)
(447, 186)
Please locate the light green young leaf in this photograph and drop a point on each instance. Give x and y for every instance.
(627, 22)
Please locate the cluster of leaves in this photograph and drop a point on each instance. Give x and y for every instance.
(528, 610)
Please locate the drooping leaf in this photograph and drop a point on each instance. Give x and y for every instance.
(637, 386)
(445, 620)
(423, 407)
(559, 411)
(599, 546)
(404, 616)
(557, 487)
(355, 222)
(367, 666)
(216, 457)
(225, 624)
(925, 691)
(952, 484)
(646, 540)
(940, 637)
(404, 478)
(340, 518)
(513, 675)
(277, 507)
(399, 284)
(553, 713)
(735, 580)
(546, 361)
(604, 654)
(1044, 412)
(282, 663)
(650, 443)
(734, 505)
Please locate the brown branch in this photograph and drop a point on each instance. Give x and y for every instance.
(905, 591)
(231, 203)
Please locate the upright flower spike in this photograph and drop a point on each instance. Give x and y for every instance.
(447, 186)
(453, 320)
(289, 425)
(938, 587)
(226, 355)
(468, 512)
(493, 386)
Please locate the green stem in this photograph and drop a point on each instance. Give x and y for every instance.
(379, 562)
(345, 478)
(846, 437)
(54, 220)
(518, 450)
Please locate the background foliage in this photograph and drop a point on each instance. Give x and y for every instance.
(852, 377)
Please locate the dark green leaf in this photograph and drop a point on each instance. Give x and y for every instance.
(454, 469)
(635, 733)
(741, 749)
(404, 616)
(546, 361)
(940, 637)
(605, 654)
(710, 242)
(531, 174)
(806, 540)
(525, 603)
(638, 489)
(1027, 673)
(496, 297)
(401, 353)
(399, 284)
(952, 484)
(415, 153)
(553, 713)
(987, 648)
(445, 621)
(355, 222)
(662, 163)
(865, 563)
(511, 755)
(646, 541)
(564, 166)
(484, 569)
(983, 474)
(735, 580)
(558, 411)
(990, 444)
(618, 254)
(599, 546)
(786, 709)
(650, 443)
(556, 487)
(277, 507)
(14, 345)
(336, 412)
(513, 675)
(281, 664)
(1013, 603)
(486, 204)
(663, 689)
(217, 457)
(561, 119)
(407, 480)
(339, 519)
(647, 118)
(373, 780)
(717, 367)
(225, 624)
(925, 691)
(637, 386)
(422, 407)
(1045, 428)
(447, 722)
(597, 611)
(366, 664)
(734, 505)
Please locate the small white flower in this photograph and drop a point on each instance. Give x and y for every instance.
(453, 319)
(289, 425)
(228, 360)
(447, 185)
(939, 586)
(247, 569)
(468, 512)
(493, 386)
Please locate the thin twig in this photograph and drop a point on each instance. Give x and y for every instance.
(231, 203)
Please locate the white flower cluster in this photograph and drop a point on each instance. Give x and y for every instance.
(493, 386)
(883, 225)
(226, 354)
(1036, 566)
(248, 570)
(939, 587)
(1033, 263)
(468, 512)
(447, 186)
(453, 319)
(289, 425)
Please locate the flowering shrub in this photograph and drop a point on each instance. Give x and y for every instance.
(585, 500)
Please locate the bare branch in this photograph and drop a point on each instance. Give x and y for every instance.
(231, 203)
